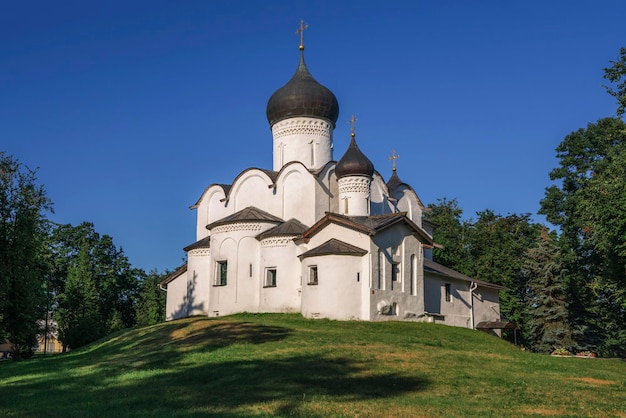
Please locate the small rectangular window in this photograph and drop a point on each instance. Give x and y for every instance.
(270, 277)
(395, 272)
(448, 292)
(312, 279)
(221, 275)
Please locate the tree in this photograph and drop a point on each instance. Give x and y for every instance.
(77, 315)
(497, 246)
(588, 206)
(548, 326)
(449, 233)
(150, 308)
(492, 249)
(114, 280)
(23, 228)
(616, 74)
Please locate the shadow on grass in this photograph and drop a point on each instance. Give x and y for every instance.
(149, 373)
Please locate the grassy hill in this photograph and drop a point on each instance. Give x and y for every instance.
(284, 365)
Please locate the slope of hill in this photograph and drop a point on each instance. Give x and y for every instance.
(284, 365)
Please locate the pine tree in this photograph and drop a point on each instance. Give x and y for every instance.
(547, 306)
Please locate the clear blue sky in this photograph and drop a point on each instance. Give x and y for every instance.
(131, 108)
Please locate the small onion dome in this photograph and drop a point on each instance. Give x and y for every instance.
(354, 163)
(302, 96)
(394, 182)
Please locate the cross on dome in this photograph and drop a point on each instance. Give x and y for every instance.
(393, 159)
(300, 30)
(352, 122)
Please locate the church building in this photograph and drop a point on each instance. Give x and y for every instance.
(325, 238)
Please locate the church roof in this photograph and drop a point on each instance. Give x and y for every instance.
(249, 214)
(370, 225)
(334, 247)
(394, 182)
(203, 243)
(173, 275)
(302, 96)
(292, 227)
(225, 189)
(354, 162)
(430, 265)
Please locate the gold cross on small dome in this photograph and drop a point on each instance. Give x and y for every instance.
(303, 26)
(352, 122)
(393, 159)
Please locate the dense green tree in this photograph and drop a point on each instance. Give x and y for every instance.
(77, 314)
(491, 248)
(616, 74)
(23, 228)
(449, 234)
(497, 246)
(548, 326)
(150, 308)
(116, 283)
(587, 204)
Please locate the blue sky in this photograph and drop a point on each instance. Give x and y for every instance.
(130, 109)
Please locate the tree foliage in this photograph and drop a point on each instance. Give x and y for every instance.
(23, 228)
(94, 283)
(616, 74)
(449, 233)
(491, 248)
(150, 307)
(548, 326)
(588, 204)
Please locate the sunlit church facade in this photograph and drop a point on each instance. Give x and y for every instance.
(324, 238)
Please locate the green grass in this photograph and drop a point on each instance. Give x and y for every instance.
(284, 365)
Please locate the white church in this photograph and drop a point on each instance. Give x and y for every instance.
(325, 238)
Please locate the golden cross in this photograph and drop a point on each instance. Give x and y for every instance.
(393, 159)
(352, 121)
(303, 26)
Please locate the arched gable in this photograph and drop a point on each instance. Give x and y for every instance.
(408, 201)
(209, 207)
(296, 187)
(379, 202)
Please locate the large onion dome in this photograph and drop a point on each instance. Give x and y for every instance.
(354, 162)
(302, 96)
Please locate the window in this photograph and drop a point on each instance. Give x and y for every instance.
(270, 277)
(448, 292)
(312, 275)
(395, 272)
(413, 274)
(221, 274)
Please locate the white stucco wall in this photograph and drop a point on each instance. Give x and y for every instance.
(486, 305)
(379, 204)
(182, 297)
(307, 140)
(296, 188)
(236, 244)
(354, 195)
(457, 311)
(407, 201)
(338, 292)
(279, 253)
(396, 246)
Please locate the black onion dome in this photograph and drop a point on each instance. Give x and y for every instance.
(354, 163)
(302, 96)
(394, 182)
